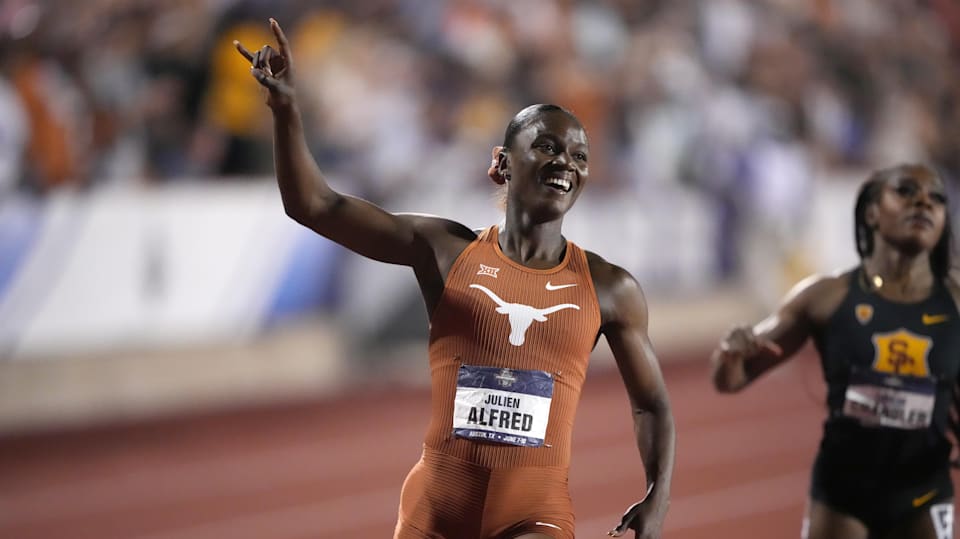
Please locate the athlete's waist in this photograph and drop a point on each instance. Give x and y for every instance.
(493, 456)
(881, 466)
(859, 446)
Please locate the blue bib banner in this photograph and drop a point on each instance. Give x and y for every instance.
(508, 406)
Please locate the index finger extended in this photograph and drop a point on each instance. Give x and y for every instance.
(242, 50)
(282, 42)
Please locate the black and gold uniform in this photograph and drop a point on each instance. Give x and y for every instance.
(890, 368)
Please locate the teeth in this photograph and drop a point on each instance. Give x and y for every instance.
(559, 183)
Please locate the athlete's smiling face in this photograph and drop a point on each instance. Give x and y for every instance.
(547, 165)
(910, 210)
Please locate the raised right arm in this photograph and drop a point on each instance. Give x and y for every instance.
(307, 197)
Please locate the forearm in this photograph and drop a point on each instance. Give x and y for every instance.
(733, 374)
(303, 188)
(656, 440)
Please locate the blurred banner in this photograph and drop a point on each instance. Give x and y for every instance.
(195, 263)
(170, 266)
(199, 263)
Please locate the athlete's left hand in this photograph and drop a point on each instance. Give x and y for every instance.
(643, 517)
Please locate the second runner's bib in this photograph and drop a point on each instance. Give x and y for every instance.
(878, 399)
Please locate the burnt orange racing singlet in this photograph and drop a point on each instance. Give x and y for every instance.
(509, 348)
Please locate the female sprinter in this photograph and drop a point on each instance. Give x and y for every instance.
(888, 336)
(514, 314)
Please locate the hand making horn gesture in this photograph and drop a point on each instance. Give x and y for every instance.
(273, 69)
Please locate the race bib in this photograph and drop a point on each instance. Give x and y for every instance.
(942, 515)
(884, 400)
(507, 406)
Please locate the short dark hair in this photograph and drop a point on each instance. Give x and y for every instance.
(863, 234)
(526, 116)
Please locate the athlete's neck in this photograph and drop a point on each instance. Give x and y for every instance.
(536, 245)
(899, 276)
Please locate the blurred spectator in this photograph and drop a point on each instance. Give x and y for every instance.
(14, 130)
(59, 119)
(232, 138)
(747, 102)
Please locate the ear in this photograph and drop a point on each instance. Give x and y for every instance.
(503, 165)
(870, 216)
(498, 166)
(503, 162)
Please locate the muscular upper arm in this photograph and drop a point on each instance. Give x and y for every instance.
(395, 238)
(808, 305)
(624, 315)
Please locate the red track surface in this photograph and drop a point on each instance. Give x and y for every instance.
(333, 468)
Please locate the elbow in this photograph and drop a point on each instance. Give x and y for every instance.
(297, 212)
(307, 212)
(658, 407)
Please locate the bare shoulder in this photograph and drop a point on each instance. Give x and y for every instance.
(609, 277)
(439, 231)
(437, 242)
(819, 295)
(428, 223)
(820, 284)
(618, 292)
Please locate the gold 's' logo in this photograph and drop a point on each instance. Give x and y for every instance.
(901, 352)
(864, 313)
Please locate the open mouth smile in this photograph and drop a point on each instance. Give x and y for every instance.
(560, 184)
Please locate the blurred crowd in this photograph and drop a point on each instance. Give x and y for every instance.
(744, 100)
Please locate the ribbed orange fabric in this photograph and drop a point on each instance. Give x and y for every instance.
(447, 497)
(466, 329)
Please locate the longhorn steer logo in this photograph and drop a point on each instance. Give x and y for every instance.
(520, 315)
